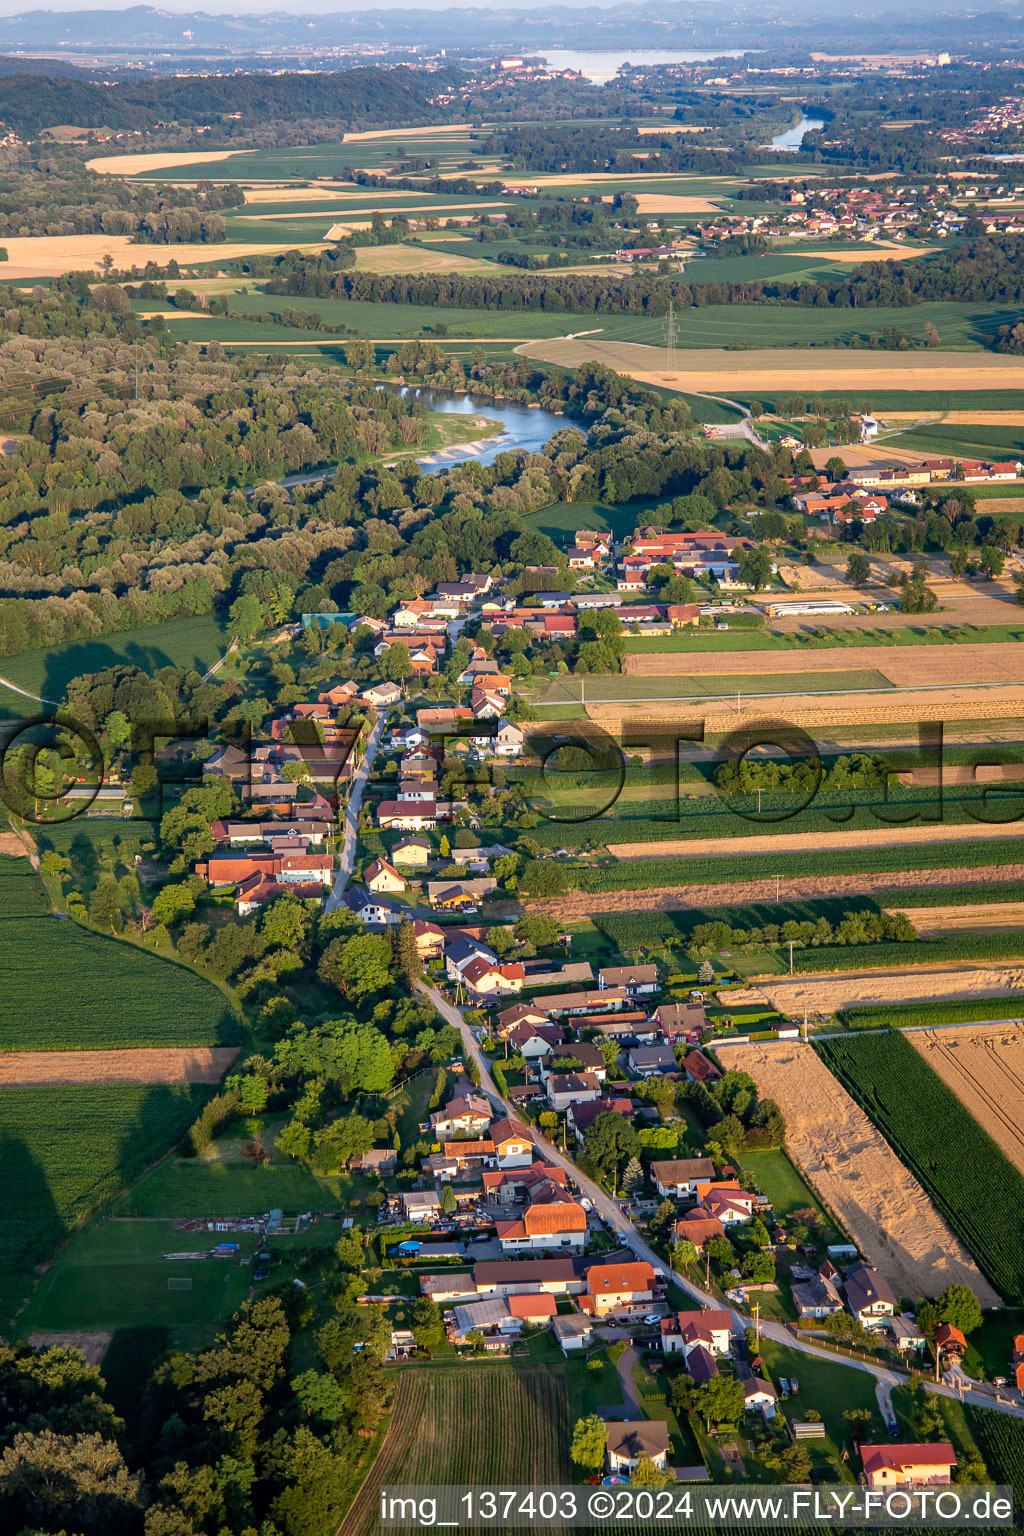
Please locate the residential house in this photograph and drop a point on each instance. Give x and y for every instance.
(374, 911)
(556, 1222)
(407, 815)
(726, 1201)
(508, 1186)
(635, 980)
(580, 1117)
(710, 1329)
(701, 1365)
(697, 1227)
(379, 1160)
(380, 876)
(467, 1115)
(759, 1394)
(627, 1289)
(632, 1026)
(452, 895)
(869, 1295)
(572, 1088)
(487, 979)
(907, 1466)
(520, 1013)
(513, 1143)
(532, 1041)
(381, 695)
(609, 1001)
(490, 1317)
(429, 939)
(538, 1310)
(905, 1334)
(679, 1178)
(414, 852)
(448, 1287)
(524, 1277)
(680, 1019)
(591, 1060)
(651, 1060)
(820, 1295)
(460, 951)
(631, 1439)
(699, 1068)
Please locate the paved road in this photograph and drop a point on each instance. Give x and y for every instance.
(885, 1378)
(351, 826)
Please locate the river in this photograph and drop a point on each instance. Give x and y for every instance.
(794, 137)
(600, 66)
(522, 427)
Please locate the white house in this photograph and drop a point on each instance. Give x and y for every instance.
(572, 1088)
(630, 1440)
(678, 1179)
(710, 1329)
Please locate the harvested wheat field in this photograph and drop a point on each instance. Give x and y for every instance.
(321, 191)
(816, 714)
(984, 1066)
(93, 1346)
(858, 1175)
(12, 845)
(200, 1064)
(810, 842)
(54, 255)
(976, 917)
(881, 252)
(906, 666)
(800, 369)
(138, 165)
(669, 202)
(871, 989)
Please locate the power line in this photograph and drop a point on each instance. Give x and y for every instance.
(670, 338)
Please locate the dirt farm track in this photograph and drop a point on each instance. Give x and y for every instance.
(22, 1069)
(857, 1174)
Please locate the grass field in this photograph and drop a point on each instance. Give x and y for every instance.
(493, 1424)
(965, 441)
(783, 1184)
(561, 520)
(114, 1273)
(69, 988)
(963, 1171)
(827, 1385)
(182, 643)
(195, 1187)
(611, 689)
(63, 1152)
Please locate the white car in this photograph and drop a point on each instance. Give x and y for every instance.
(652, 1317)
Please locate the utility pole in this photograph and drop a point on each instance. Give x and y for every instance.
(670, 338)
(757, 1322)
(790, 942)
(776, 888)
(805, 1024)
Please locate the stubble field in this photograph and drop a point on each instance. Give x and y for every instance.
(984, 1066)
(857, 1174)
(25, 1069)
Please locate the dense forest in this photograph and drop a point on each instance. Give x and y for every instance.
(364, 97)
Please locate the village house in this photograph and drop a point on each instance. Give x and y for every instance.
(414, 852)
(533, 1041)
(513, 1143)
(609, 1001)
(526, 1277)
(590, 1059)
(635, 980)
(407, 815)
(819, 1296)
(678, 1179)
(710, 1329)
(868, 1295)
(467, 1115)
(699, 1068)
(521, 1013)
(580, 1117)
(380, 876)
(429, 939)
(572, 1088)
(374, 911)
(421, 1204)
(508, 1186)
(651, 1060)
(380, 695)
(573, 1332)
(698, 1228)
(907, 1466)
(726, 1201)
(759, 1394)
(625, 1289)
(631, 1439)
(551, 1220)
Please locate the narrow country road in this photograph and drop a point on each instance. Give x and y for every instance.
(885, 1379)
(347, 861)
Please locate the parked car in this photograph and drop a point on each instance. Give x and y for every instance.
(652, 1318)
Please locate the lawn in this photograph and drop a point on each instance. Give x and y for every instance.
(65, 1151)
(779, 1180)
(601, 689)
(589, 1389)
(181, 643)
(115, 1273)
(830, 1386)
(562, 519)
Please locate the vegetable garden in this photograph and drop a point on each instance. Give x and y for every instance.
(973, 1185)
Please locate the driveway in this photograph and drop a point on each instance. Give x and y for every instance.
(347, 859)
(624, 1365)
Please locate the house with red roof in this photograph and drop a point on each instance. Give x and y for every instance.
(907, 1466)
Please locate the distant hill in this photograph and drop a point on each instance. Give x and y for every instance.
(355, 97)
(55, 68)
